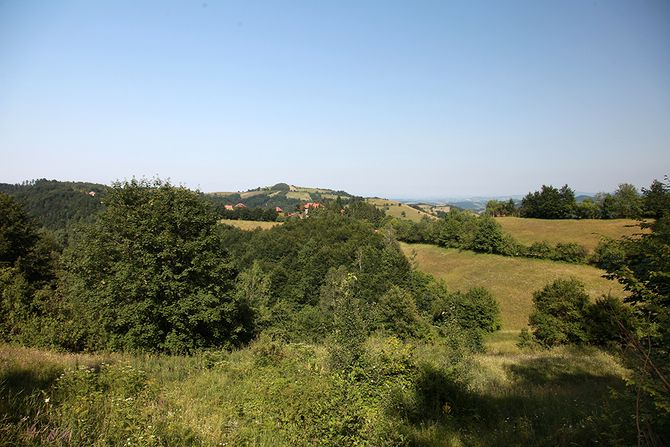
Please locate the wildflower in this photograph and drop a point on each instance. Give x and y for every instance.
(46, 401)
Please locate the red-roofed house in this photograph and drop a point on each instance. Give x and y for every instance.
(240, 205)
(228, 207)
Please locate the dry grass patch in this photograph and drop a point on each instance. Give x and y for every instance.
(511, 280)
(249, 225)
(586, 232)
(396, 209)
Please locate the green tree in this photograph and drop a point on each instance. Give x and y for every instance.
(349, 329)
(149, 274)
(397, 313)
(644, 272)
(490, 238)
(18, 233)
(549, 203)
(559, 310)
(656, 199)
(627, 202)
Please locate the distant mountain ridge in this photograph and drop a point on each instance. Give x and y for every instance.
(478, 203)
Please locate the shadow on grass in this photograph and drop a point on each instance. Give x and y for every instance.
(552, 401)
(19, 387)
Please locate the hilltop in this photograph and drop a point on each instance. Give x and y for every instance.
(280, 195)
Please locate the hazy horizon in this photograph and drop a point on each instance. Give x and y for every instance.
(390, 99)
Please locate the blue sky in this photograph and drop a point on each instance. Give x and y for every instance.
(389, 98)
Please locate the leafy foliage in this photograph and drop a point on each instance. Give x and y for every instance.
(559, 313)
(150, 274)
(58, 205)
(549, 203)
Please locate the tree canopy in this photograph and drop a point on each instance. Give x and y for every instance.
(150, 273)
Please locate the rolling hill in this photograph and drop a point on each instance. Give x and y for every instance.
(282, 195)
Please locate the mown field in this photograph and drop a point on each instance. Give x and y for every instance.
(395, 209)
(249, 224)
(511, 280)
(586, 232)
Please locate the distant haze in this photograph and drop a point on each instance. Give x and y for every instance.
(377, 98)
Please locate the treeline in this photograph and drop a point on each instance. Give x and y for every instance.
(483, 234)
(551, 203)
(155, 272)
(243, 213)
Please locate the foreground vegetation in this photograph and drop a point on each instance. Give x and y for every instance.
(182, 331)
(276, 394)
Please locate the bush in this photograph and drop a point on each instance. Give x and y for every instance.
(540, 250)
(570, 252)
(608, 254)
(490, 238)
(560, 309)
(474, 310)
(608, 322)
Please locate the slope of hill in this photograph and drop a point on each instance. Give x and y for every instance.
(511, 280)
(55, 204)
(282, 195)
(586, 232)
(400, 210)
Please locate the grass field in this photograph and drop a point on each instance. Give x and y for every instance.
(586, 232)
(273, 394)
(249, 224)
(395, 209)
(299, 195)
(511, 280)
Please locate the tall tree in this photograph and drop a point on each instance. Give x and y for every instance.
(656, 199)
(627, 202)
(150, 274)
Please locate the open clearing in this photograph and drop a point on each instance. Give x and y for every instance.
(511, 280)
(395, 209)
(586, 232)
(249, 225)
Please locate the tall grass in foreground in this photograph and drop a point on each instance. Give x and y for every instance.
(276, 394)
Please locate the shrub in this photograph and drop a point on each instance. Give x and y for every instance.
(474, 310)
(608, 254)
(570, 252)
(560, 308)
(608, 322)
(540, 250)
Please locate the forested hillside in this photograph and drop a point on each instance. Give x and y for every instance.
(57, 205)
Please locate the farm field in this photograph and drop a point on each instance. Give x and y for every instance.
(586, 232)
(511, 280)
(249, 225)
(395, 209)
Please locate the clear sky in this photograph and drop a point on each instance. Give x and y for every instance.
(389, 98)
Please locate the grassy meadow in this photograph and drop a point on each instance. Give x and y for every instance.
(586, 232)
(249, 225)
(511, 280)
(275, 394)
(395, 209)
